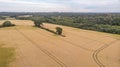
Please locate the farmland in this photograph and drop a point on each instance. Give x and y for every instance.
(36, 47)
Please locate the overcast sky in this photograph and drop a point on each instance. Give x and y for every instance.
(59, 5)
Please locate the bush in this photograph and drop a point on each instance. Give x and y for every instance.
(7, 24)
(58, 30)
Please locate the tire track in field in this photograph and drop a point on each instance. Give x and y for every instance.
(71, 43)
(96, 52)
(82, 45)
(43, 50)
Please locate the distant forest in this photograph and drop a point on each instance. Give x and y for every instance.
(103, 22)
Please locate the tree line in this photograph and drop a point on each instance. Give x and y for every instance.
(109, 24)
(104, 22)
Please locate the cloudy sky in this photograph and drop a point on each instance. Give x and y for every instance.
(59, 5)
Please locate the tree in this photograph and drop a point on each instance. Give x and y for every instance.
(59, 30)
(7, 24)
(37, 23)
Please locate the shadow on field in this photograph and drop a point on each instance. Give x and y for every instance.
(6, 26)
(50, 31)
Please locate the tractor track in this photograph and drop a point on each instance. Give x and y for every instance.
(73, 44)
(43, 50)
(94, 55)
(96, 52)
(80, 46)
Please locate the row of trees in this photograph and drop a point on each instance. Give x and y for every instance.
(39, 23)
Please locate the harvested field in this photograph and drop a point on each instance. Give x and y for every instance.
(36, 47)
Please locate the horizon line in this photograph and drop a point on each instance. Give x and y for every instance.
(55, 12)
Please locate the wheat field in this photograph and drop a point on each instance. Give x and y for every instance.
(36, 47)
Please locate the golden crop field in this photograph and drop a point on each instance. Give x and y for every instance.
(36, 47)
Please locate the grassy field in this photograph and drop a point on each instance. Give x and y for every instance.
(36, 47)
(6, 56)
